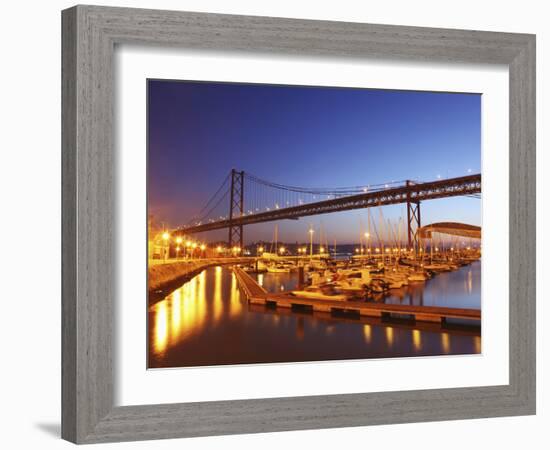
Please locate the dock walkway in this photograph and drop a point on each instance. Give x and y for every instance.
(253, 291)
(257, 295)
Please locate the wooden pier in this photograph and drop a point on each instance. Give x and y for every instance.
(257, 295)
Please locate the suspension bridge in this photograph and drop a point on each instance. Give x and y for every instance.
(244, 199)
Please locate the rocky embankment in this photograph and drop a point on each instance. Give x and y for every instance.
(163, 278)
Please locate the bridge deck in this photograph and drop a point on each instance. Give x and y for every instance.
(450, 187)
(258, 295)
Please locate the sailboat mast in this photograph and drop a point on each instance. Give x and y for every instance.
(368, 231)
(360, 235)
(276, 237)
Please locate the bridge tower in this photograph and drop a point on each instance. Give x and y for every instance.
(413, 220)
(236, 208)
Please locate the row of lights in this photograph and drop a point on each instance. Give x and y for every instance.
(395, 250)
(194, 245)
(377, 250)
(179, 241)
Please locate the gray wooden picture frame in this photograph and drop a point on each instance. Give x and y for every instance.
(90, 34)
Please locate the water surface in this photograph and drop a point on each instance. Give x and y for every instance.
(208, 322)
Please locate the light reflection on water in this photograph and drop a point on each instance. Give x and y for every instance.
(417, 340)
(445, 343)
(389, 336)
(208, 322)
(458, 289)
(367, 331)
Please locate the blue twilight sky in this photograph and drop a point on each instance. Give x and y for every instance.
(307, 136)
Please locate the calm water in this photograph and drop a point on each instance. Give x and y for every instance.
(208, 322)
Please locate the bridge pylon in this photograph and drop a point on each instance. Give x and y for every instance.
(236, 208)
(413, 221)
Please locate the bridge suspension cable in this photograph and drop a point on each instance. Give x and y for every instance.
(221, 194)
(344, 190)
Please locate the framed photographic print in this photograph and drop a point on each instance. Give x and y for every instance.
(335, 219)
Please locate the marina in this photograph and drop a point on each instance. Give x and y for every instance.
(258, 296)
(187, 323)
(397, 280)
(311, 223)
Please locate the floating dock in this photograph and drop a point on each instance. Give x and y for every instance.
(257, 295)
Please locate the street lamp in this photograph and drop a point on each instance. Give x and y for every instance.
(311, 242)
(203, 248)
(282, 250)
(179, 240)
(166, 239)
(367, 237)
